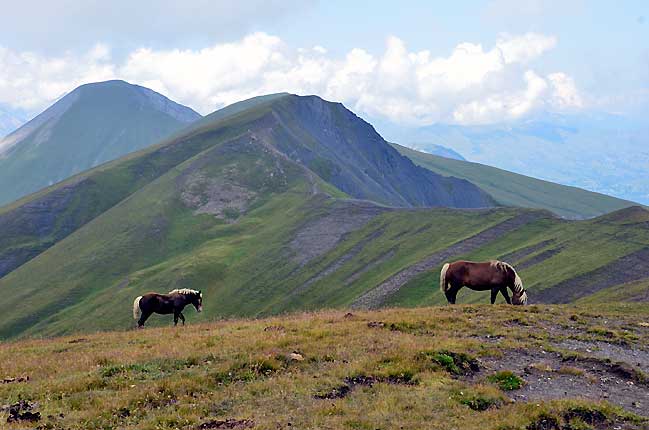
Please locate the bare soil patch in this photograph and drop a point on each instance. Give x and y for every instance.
(516, 256)
(322, 234)
(22, 411)
(352, 382)
(227, 424)
(548, 376)
(215, 196)
(637, 356)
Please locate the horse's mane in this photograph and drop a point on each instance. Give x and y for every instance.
(518, 283)
(184, 291)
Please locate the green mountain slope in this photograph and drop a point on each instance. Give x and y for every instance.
(91, 125)
(353, 158)
(219, 190)
(559, 261)
(254, 209)
(282, 255)
(512, 189)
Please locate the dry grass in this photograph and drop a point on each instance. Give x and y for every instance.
(182, 377)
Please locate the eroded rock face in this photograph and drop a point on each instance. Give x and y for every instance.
(39, 224)
(216, 196)
(348, 153)
(321, 234)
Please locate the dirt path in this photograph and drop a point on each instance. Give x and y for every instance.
(377, 296)
(636, 356)
(516, 256)
(538, 258)
(629, 268)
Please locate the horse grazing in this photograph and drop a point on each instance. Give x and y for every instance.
(490, 275)
(165, 304)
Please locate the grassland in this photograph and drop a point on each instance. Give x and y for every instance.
(459, 367)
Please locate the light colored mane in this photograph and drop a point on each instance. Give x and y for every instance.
(185, 291)
(519, 291)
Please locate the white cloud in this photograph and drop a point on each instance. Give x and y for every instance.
(505, 105)
(471, 85)
(31, 81)
(521, 49)
(206, 78)
(565, 94)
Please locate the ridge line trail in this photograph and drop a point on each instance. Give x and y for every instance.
(626, 269)
(377, 296)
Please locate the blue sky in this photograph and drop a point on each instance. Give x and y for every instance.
(581, 54)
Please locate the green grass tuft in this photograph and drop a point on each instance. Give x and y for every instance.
(506, 380)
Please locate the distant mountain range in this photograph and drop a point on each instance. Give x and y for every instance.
(93, 124)
(442, 151)
(512, 189)
(10, 120)
(600, 152)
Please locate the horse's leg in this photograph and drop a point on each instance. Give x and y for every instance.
(503, 290)
(494, 294)
(182, 317)
(176, 318)
(143, 318)
(451, 294)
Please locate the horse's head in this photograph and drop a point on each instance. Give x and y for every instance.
(519, 298)
(197, 301)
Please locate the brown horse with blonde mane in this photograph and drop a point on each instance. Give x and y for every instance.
(496, 276)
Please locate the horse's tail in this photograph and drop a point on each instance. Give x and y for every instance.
(443, 285)
(136, 308)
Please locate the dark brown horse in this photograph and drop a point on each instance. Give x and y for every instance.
(165, 304)
(496, 276)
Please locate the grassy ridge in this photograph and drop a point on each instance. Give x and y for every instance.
(411, 369)
(512, 189)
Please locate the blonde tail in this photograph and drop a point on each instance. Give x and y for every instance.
(136, 308)
(443, 285)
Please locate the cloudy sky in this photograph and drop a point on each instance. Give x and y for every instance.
(466, 62)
